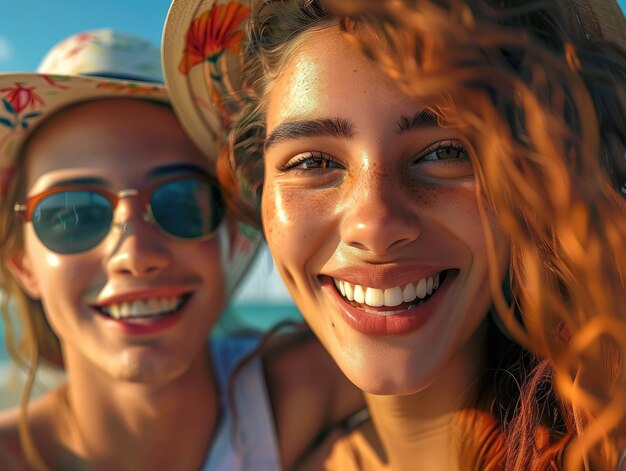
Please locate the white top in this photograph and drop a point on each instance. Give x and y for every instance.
(247, 441)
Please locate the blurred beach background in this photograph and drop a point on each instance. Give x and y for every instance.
(27, 31)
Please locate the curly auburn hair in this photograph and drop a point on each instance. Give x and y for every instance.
(542, 104)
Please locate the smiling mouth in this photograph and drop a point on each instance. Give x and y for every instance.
(401, 298)
(144, 309)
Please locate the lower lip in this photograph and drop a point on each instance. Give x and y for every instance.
(396, 324)
(147, 326)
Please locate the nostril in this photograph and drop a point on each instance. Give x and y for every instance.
(398, 243)
(151, 269)
(357, 245)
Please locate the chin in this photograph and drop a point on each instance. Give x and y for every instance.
(154, 370)
(389, 385)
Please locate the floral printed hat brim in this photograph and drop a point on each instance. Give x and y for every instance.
(27, 99)
(202, 66)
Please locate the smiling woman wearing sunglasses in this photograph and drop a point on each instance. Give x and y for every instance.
(119, 253)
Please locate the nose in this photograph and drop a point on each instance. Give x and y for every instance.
(378, 217)
(138, 249)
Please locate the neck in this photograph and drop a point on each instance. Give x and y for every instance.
(121, 424)
(417, 431)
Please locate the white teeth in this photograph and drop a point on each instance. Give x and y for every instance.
(339, 285)
(408, 293)
(153, 305)
(393, 296)
(136, 308)
(420, 288)
(429, 286)
(125, 309)
(359, 294)
(349, 290)
(377, 297)
(374, 297)
(145, 308)
(165, 305)
(114, 310)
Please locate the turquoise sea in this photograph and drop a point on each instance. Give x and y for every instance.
(3, 352)
(259, 317)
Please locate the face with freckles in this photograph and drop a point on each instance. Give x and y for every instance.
(139, 304)
(370, 210)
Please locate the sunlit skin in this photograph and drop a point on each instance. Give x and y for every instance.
(378, 205)
(138, 259)
(113, 373)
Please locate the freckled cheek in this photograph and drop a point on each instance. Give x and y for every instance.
(293, 219)
(283, 223)
(457, 208)
(454, 204)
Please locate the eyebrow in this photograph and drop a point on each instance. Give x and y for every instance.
(166, 170)
(86, 181)
(324, 127)
(342, 127)
(424, 118)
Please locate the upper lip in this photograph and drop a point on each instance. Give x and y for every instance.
(143, 294)
(384, 276)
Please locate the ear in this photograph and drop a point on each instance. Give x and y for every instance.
(20, 266)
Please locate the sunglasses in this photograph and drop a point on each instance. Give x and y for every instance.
(74, 219)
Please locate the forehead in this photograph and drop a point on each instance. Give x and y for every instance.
(109, 139)
(326, 72)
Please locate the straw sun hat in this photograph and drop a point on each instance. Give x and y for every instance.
(89, 66)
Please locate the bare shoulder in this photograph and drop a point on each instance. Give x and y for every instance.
(309, 393)
(298, 363)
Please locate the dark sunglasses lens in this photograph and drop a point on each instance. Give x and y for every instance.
(188, 209)
(72, 221)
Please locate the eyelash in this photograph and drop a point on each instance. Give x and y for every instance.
(441, 146)
(310, 157)
(329, 160)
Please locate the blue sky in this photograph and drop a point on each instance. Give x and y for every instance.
(28, 28)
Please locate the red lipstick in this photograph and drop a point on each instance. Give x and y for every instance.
(401, 323)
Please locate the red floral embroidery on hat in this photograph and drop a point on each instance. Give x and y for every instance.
(17, 99)
(80, 41)
(20, 97)
(53, 81)
(212, 33)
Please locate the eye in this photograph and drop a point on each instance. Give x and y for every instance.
(310, 161)
(444, 151)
